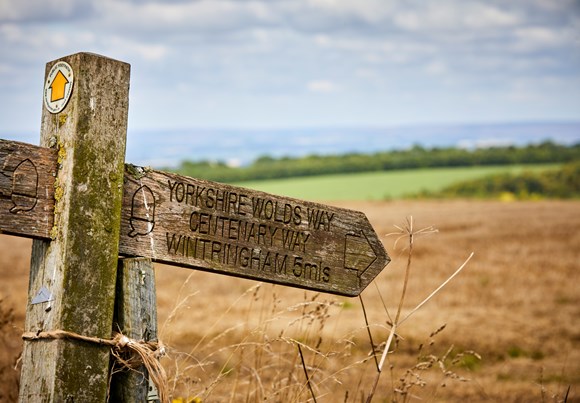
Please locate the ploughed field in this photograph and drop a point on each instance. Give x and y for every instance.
(512, 315)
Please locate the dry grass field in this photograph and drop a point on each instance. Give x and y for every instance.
(512, 316)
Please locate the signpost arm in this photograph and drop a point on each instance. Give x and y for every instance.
(74, 275)
(136, 318)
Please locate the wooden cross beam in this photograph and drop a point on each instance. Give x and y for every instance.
(215, 227)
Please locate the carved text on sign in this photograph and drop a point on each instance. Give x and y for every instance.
(242, 232)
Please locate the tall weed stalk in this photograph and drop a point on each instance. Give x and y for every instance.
(408, 233)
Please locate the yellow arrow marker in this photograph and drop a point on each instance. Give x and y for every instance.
(58, 86)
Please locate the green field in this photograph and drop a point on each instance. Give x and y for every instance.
(382, 185)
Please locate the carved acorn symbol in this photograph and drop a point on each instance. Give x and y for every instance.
(142, 219)
(24, 187)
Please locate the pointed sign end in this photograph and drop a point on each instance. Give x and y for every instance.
(379, 262)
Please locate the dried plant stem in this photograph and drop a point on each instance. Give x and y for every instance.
(306, 373)
(387, 346)
(396, 325)
(380, 365)
(369, 332)
(437, 289)
(404, 232)
(408, 232)
(407, 269)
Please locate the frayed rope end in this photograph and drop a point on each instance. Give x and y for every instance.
(128, 353)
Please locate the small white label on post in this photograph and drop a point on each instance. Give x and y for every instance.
(43, 295)
(153, 395)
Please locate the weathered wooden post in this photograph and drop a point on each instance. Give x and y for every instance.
(72, 277)
(136, 318)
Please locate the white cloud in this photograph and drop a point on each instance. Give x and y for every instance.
(263, 59)
(169, 19)
(453, 16)
(5, 68)
(536, 37)
(11, 32)
(42, 10)
(436, 67)
(369, 10)
(148, 52)
(484, 16)
(322, 86)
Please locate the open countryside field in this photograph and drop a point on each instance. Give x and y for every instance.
(384, 184)
(516, 305)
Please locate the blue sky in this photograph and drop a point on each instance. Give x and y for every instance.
(305, 63)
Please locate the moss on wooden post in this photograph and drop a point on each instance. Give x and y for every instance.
(78, 267)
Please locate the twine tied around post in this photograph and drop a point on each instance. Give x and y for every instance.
(128, 353)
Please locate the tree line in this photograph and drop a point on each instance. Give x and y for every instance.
(267, 167)
(562, 183)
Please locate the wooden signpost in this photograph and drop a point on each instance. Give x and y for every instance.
(216, 227)
(83, 209)
(242, 232)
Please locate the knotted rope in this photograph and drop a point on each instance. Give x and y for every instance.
(129, 353)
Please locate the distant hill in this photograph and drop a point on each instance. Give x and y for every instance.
(239, 147)
(267, 168)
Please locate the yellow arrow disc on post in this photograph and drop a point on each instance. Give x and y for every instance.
(58, 87)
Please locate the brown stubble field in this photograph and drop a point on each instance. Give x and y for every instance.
(516, 305)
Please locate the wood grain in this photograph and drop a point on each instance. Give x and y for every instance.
(241, 232)
(27, 176)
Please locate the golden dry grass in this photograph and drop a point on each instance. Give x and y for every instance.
(517, 304)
